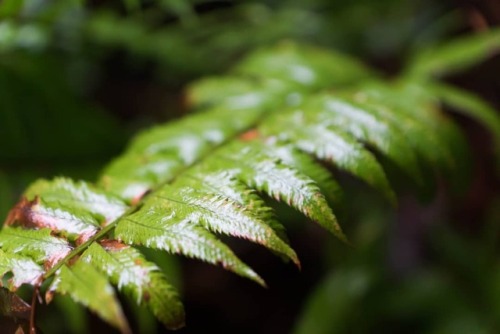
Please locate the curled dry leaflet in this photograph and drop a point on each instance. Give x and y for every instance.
(276, 125)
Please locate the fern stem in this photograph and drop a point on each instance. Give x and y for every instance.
(83, 246)
(32, 327)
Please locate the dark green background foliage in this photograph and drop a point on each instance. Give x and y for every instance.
(79, 78)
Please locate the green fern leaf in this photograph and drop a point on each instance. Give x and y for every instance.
(159, 154)
(152, 228)
(416, 93)
(417, 102)
(455, 56)
(142, 280)
(87, 286)
(236, 210)
(219, 214)
(367, 126)
(260, 171)
(472, 106)
(303, 66)
(329, 144)
(237, 93)
(305, 164)
(414, 121)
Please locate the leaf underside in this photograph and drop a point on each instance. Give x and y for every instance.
(269, 129)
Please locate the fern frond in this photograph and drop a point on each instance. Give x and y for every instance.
(266, 129)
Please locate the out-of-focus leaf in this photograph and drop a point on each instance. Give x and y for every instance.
(9, 8)
(304, 66)
(472, 106)
(329, 307)
(456, 55)
(77, 129)
(76, 317)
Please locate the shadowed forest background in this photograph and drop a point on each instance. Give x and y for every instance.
(79, 78)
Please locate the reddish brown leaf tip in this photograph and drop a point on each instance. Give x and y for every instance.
(112, 245)
(22, 211)
(84, 237)
(49, 296)
(250, 135)
(297, 264)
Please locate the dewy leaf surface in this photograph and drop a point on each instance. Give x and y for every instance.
(411, 97)
(414, 100)
(237, 93)
(91, 288)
